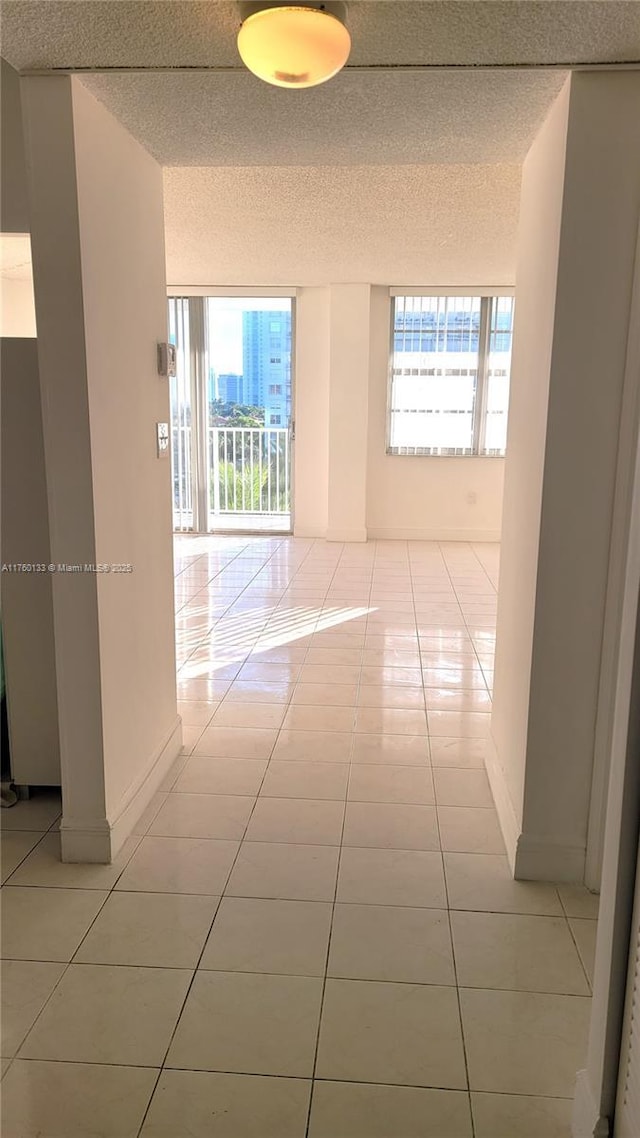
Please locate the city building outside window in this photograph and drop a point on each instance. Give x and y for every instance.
(449, 379)
(230, 410)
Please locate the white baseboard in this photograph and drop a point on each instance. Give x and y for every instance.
(504, 806)
(139, 795)
(86, 840)
(346, 535)
(549, 859)
(99, 840)
(390, 533)
(586, 1120)
(387, 533)
(530, 857)
(309, 531)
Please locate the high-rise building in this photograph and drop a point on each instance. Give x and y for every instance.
(266, 358)
(230, 388)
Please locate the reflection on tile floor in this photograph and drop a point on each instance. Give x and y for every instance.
(313, 932)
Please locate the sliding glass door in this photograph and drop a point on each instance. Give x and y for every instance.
(181, 416)
(231, 413)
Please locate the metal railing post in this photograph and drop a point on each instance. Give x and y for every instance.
(262, 453)
(215, 468)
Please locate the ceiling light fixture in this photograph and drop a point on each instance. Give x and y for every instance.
(298, 45)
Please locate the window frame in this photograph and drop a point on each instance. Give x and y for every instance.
(200, 513)
(479, 423)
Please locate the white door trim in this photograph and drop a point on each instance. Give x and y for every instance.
(625, 518)
(613, 832)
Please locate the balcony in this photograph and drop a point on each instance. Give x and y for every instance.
(248, 483)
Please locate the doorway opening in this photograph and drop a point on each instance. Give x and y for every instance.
(232, 413)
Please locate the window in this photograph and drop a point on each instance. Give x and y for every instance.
(225, 397)
(450, 365)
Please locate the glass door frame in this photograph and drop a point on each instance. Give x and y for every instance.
(198, 360)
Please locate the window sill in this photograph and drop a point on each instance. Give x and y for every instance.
(401, 454)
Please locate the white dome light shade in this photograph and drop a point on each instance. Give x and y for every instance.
(294, 46)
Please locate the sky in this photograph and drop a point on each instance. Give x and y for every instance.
(225, 327)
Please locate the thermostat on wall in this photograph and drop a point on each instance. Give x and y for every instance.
(166, 359)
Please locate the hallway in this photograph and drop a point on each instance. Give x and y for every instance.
(314, 931)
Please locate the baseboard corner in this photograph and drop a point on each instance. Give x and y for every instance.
(142, 791)
(87, 841)
(99, 840)
(586, 1120)
(549, 859)
(359, 535)
(502, 800)
(439, 534)
(309, 531)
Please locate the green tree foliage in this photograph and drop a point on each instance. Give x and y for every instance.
(243, 489)
(250, 486)
(235, 415)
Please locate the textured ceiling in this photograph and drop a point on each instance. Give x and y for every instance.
(361, 117)
(380, 176)
(201, 33)
(440, 225)
(370, 119)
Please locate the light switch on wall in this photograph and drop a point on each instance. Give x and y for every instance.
(162, 439)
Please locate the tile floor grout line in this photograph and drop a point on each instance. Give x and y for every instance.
(328, 952)
(201, 954)
(151, 1098)
(577, 948)
(230, 605)
(69, 962)
(43, 835)
(453, 951)
(195, 971)
(455, 977)
(296, 1078)
(353, 574)
(466, 626)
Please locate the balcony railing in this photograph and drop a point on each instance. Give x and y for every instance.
(248, 473)
(249, 470)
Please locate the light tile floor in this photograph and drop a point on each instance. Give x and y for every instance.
(314, 931)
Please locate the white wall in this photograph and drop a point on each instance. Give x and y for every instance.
(346, 486)
(322, 228)
(17, 307)
(538, 245)
(349, 366)
(27, 598)
(27, 605)
(577, 249)
(14, 217)
(121, 218)
(320, 225)
(422, 498)
(49, 143)
(97, 223)
(311, 411)
(615, 960)
(17, 312)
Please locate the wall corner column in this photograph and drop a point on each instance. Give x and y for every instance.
(97, 230)
(573, 296)
(349, 364)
